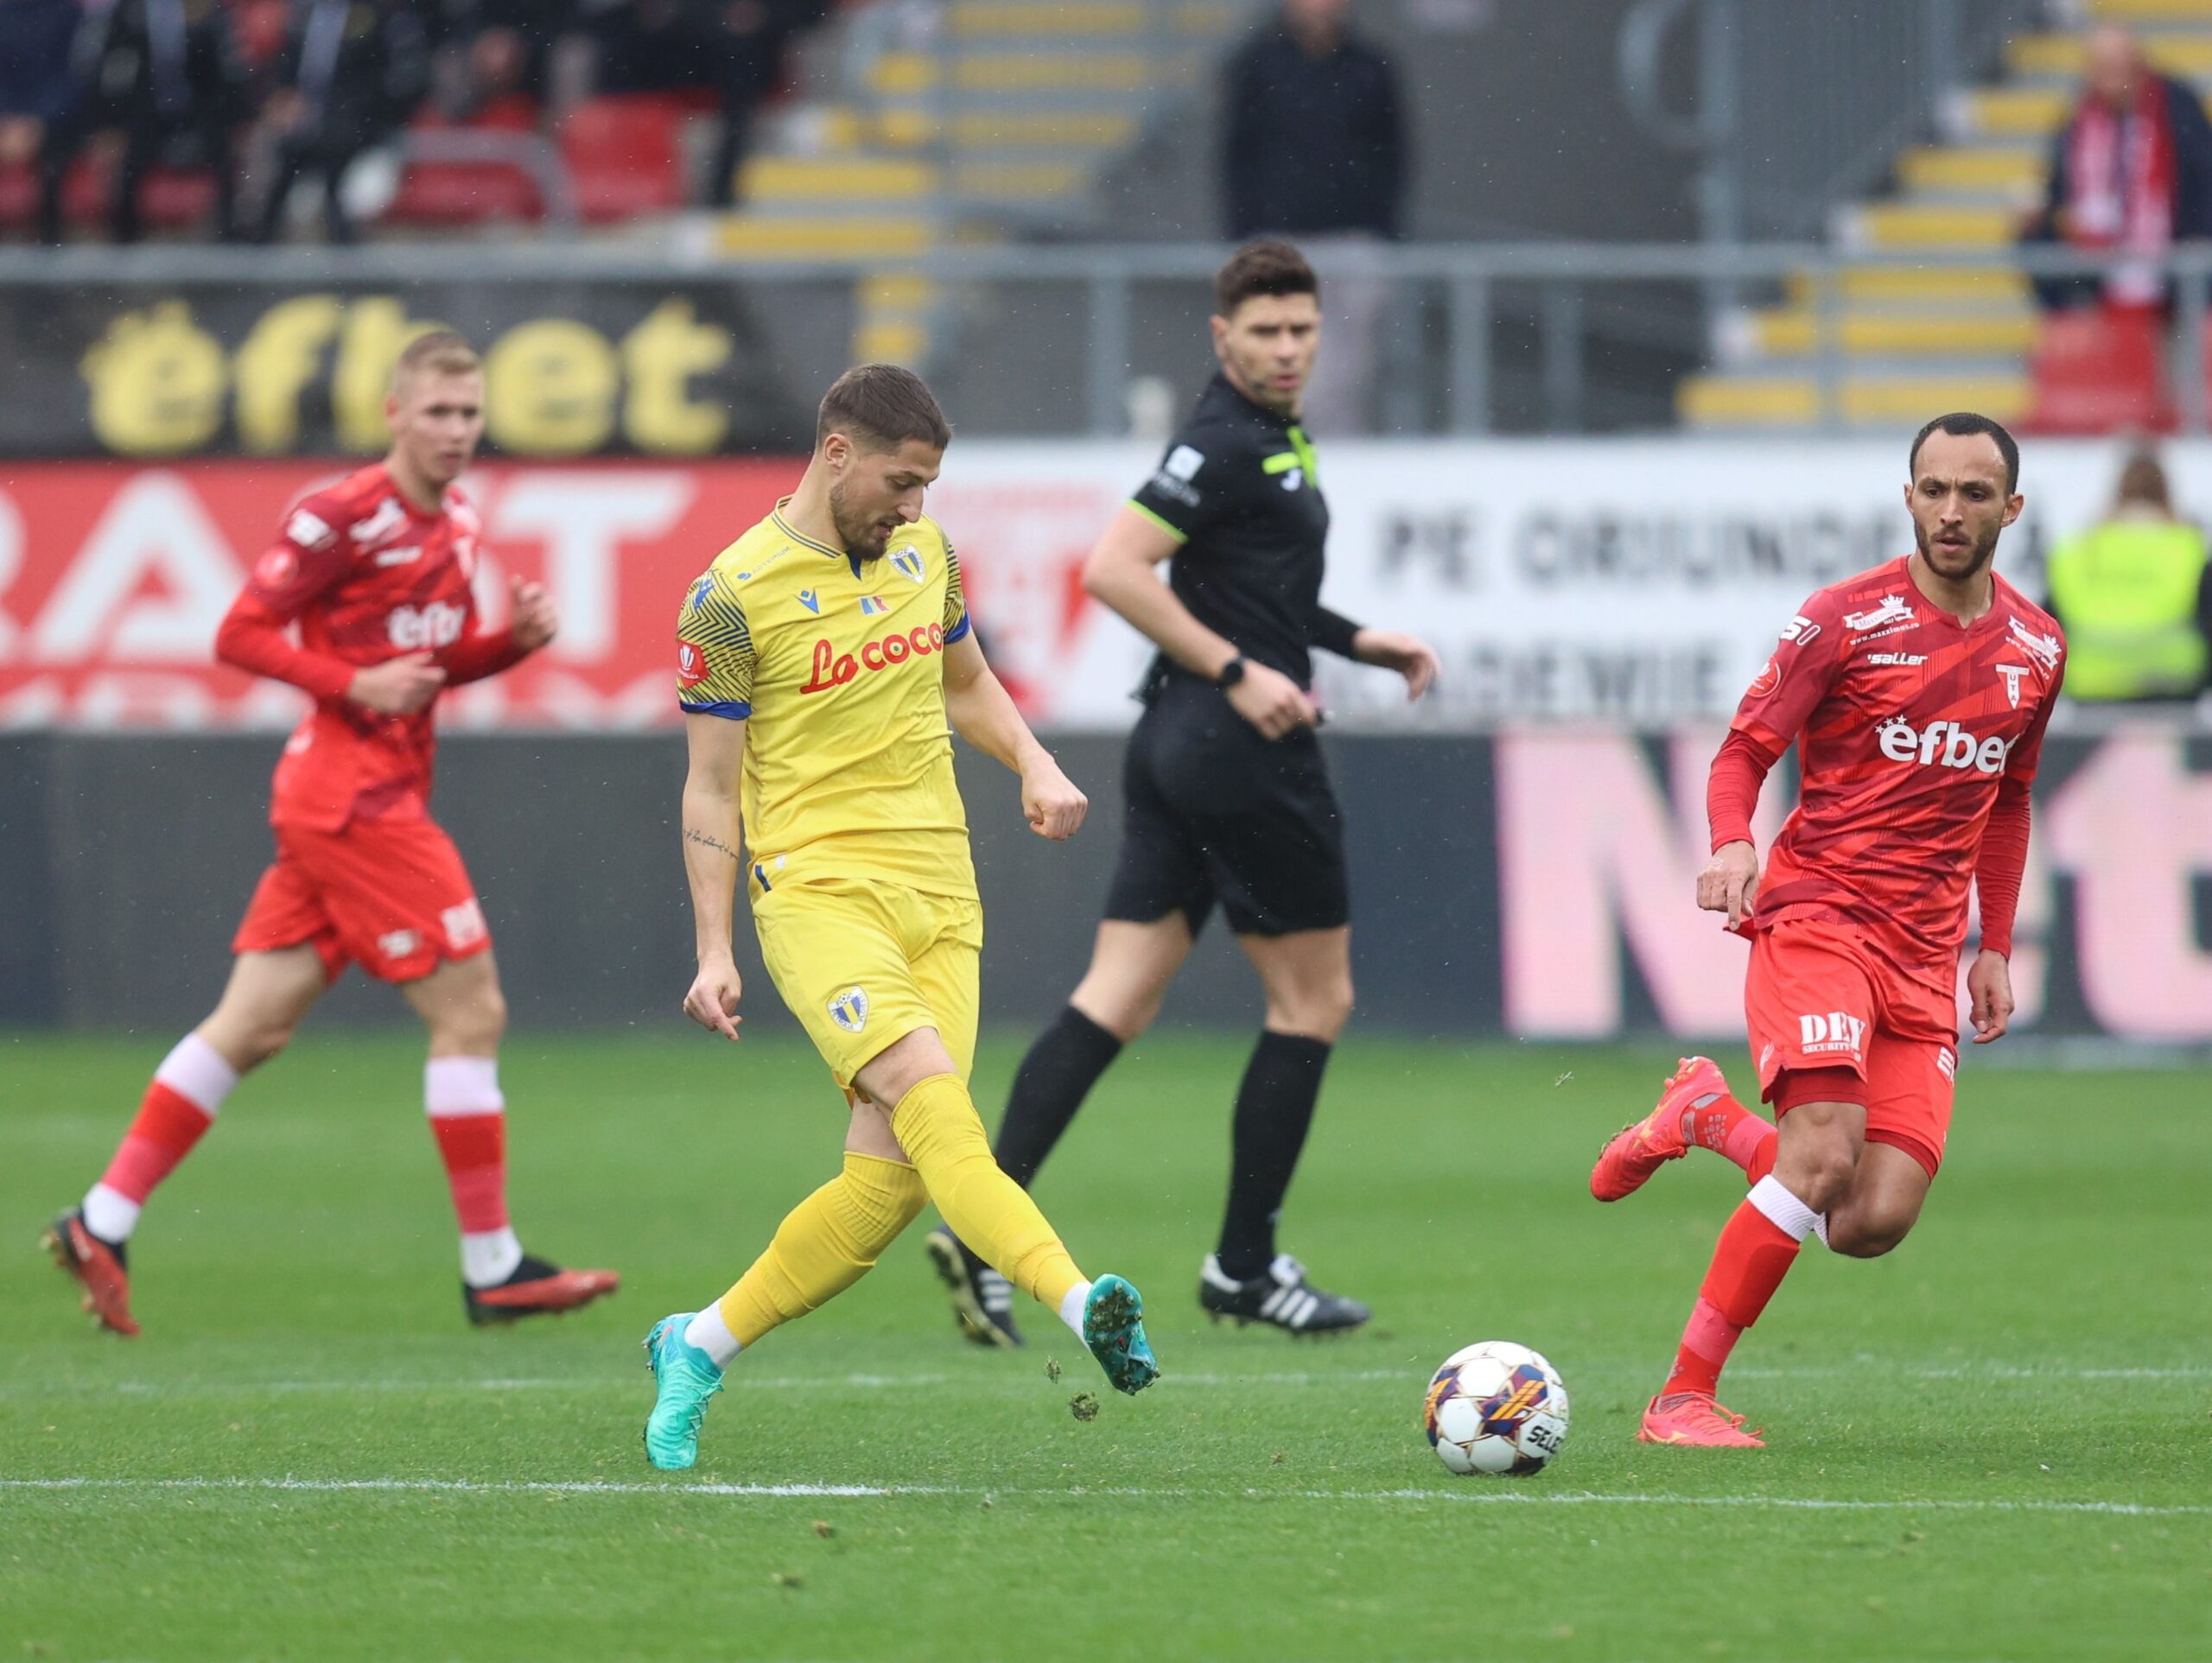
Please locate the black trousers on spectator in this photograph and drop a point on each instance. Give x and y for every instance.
(146, 134)
(326, 153)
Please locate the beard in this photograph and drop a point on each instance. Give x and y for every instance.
(865, 538)
(1978, 553)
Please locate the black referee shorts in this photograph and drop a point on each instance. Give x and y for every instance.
(1216, 812)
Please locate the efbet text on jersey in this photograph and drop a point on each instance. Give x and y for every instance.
(1941, 744)
(831, 668)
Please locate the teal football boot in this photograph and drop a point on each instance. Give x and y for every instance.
(686, 1377)
(1113, 1327)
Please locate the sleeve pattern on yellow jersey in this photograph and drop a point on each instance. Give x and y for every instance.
(714, 653)
(956, 621)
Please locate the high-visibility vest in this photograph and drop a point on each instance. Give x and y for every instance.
(2127, 592)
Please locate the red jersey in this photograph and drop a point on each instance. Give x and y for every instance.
(1910, 729)
(367, 576)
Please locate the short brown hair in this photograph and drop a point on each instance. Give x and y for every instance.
(440, 352)
(881, 407)
(1260, 269)
(2144, 480)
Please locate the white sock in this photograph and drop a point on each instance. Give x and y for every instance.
(711, 1334)
(197, 1072)
(1071, 1307)
(1790, 1215)
(109, 1214)
(488, 1257)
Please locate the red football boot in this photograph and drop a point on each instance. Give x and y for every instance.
(1638, 1150)
(98, 1266)
(1693, 1420)
(537, 1289)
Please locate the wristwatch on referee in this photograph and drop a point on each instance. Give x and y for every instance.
(1232, 673)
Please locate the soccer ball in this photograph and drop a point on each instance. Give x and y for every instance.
(1496, 1407)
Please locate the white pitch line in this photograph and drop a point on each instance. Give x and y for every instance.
(1022, 1380)
(1473, 1494)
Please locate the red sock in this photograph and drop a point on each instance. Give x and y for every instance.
(168, 1123)
(468, 1118)
(1756, 1248)
(182, 1101)
(1726, 1127)
(474, 1149)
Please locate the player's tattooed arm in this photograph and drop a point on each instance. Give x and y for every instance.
(708, 839)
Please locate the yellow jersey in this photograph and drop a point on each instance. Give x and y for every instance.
(833, 665)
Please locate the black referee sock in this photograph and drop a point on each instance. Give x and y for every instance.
(1050, 1086)
(1275, 1108)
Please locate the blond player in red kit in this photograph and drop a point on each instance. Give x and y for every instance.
(375, 572)
(1916, 694)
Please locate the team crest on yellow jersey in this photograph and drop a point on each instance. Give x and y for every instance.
(849, 1010)
(906, 560)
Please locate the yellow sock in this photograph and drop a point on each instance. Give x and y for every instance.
(824, 1245)
(937, 1125)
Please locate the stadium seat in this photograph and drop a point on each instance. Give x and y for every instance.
(2100, 371)
(468, 192)
(624, 156)
(18, 197)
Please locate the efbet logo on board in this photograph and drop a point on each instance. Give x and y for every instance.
(906, 560)
(873, 606)
(849, 1010)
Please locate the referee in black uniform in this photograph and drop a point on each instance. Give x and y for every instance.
(1228, 799)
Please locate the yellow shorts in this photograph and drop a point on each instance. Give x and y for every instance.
(862, 965)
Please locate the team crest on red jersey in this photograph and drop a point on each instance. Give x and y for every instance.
(277, 567)
(1766, 681)
(691, 664)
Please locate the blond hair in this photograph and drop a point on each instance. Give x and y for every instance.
(438, 352)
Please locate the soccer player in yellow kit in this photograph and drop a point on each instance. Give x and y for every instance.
(819, 659)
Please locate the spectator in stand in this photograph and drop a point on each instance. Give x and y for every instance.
(2130, 169)
(166, 74)
(735, 48)
(1314, 149)
(351, 72)
(2134, 593)
(504, 48)
(34, 36)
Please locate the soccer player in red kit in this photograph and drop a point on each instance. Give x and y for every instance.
(375, 572)
(1917, 693)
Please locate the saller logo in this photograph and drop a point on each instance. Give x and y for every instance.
(1940, 744)
(833, 668)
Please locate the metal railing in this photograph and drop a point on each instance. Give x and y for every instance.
(1546, 315)
(1792, 109)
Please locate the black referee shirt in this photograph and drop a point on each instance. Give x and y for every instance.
(1237, 489)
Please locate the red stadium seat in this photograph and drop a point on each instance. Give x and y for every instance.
(2100, 370)
(623, 154)
(18, 196)
(466, 193)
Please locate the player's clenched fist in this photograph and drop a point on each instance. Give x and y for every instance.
(1049, 801)
(535, 621)
(397, 686)
(1729, 882)
(712, 1002)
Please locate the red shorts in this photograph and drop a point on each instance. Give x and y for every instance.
(390, 895)
(1822, 996)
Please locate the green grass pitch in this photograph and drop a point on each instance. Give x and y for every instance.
(1993, 1445)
